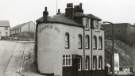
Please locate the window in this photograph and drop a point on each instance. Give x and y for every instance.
(6, 28)
(100, 62)
(87, 62)
(94, 62)
(64, 60)
(87, 23)
(6, 33)
(100, 43)
(92, 23)
(80, 41)
(80, 64)
(67, 60)
(67, 42)
(94, 42)
(87, 42)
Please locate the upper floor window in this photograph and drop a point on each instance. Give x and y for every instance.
(80, 41)
(87, 42)
(94, 42)
(94, 62)
(100, 43)
(87, 23)
(92, 23)
(67, 41)
(100, 64)
(96, 24)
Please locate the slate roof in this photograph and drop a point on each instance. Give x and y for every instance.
(60, 19)
(20, 25)
(92, 16)
(4, 23)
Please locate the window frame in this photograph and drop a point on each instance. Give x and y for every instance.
(67, 40)
(95, 42)
(88, 42)
(80, 41)
(95, 62)
(87, 60)
(100, 43)
(100, 63)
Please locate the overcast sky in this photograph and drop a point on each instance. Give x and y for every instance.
(20, 11)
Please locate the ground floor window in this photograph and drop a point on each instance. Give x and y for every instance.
(67, 60)
(87, 62)
(80, 64)
(100, 62)
(94, 62)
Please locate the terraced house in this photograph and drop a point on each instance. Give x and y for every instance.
(70, 43)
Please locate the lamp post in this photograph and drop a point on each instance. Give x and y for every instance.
(106, 22)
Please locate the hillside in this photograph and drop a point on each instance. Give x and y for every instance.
(126, 52)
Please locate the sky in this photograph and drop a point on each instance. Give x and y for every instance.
(21, 11)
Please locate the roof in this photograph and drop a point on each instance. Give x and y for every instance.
(20, 25)
(61, 18)
(118, 24)
(4, 23)
(92, 16)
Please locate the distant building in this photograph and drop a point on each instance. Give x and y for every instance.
(70, 43)
(4, 29)
(23, 30)
(122, 31)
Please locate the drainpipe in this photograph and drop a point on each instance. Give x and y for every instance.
(83, 48)
(91, 31)
(36, 45)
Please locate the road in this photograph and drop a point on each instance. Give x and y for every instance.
(14, 57)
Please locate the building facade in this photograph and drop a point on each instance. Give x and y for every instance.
(70, 43)
(4, 29)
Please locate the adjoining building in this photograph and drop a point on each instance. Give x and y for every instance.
(4, 29)
(70, 43)
(24, 31)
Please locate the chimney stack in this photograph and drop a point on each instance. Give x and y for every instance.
(45, 14)
(69, 11)
(58, 13)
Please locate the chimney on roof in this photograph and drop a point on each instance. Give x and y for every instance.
(58, 12)
(69, 11)
(78, 9)
(45, 14)
(78, 13)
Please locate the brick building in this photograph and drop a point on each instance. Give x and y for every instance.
(70, 43)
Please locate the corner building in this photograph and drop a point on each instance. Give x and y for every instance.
(70, 43)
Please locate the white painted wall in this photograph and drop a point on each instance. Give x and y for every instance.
(51, 46)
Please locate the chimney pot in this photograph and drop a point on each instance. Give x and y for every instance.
(58, 12)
